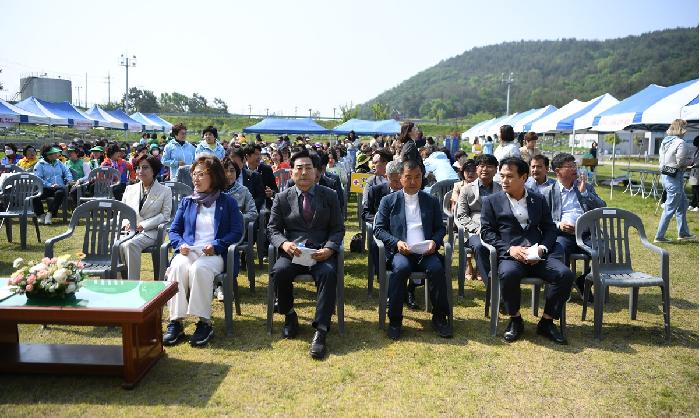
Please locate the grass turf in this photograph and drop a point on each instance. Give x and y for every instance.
(632, 371)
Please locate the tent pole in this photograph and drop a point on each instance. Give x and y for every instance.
(573, 140)
(613, 166)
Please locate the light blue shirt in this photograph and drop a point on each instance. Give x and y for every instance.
(571, 208)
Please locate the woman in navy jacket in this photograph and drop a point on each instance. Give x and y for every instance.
(205, 225)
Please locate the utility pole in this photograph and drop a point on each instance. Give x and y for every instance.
(109, 86)
(127, 62)
(86, 105)
(250, 111)
(267, 111)
(508, 81)
(333, 113)
(309, 112)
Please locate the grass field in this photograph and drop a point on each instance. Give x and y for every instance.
(631, 372)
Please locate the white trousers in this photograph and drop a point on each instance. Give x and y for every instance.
(131, 254)
(195, 284)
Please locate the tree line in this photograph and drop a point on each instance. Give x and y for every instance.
(146, 101)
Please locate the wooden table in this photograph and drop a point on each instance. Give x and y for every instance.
(135, 306)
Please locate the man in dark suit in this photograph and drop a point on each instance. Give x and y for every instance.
(569, 197)
(253, 159)
(513, 221)
(306, 214)
(249, 178)
(403, 220)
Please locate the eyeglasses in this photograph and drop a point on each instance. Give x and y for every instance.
(570, 166)
(143, 167)
(199, 174)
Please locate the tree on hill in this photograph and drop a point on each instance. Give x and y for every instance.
(220, 105)
(141, 101)
(348, 112)
(547, 72)
(380, 111)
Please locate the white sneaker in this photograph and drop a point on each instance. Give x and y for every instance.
(693, 209)
(688, 238)
(47, 218)
(219, 293)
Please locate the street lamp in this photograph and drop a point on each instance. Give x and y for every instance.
(309, 112)
(250, 111)
(127, 62)
(507, 81)
(333, 113)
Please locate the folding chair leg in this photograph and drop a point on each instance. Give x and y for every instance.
(461, 259)
(667, 311)
(250, 266)
(426, 294)
(495, 302)
(383, 293)
(270, 302)
(487, 304)
(340, 304)
(586, 288)
(227, 284)
(36, 227)
(23, 232)
(634, 299)
(8, 229)
(535, 300)
(598, 299)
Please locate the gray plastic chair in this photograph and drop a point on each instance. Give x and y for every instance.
(102, 237)
(384, 282)
(184, 176)
(19, 189)
(10, 168)
(441, 189)
(103, 180)
(465, 253)
(612, 262)
(494, 291)
(339, 290)
(371, 262)
(178, 191)
(229, 282)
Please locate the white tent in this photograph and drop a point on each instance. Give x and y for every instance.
(533, 116)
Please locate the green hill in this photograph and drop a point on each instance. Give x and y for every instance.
(546, 72)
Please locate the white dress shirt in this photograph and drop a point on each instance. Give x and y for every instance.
(414, 225)
(519, 208)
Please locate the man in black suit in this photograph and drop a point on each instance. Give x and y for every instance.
(307, 214)
(249, 178)
(253, 159)
(337, 184)
(405, 219)
(514, 221)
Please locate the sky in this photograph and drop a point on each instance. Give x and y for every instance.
(286, 57)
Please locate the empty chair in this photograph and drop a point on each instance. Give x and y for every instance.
(102, 181)
(184, 176)
(102, 237)
(611, 262)
(18, 191)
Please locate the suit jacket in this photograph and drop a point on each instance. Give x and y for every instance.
(588, 202)
(228, 224)
(156, 209)
(371, 182)
(370, 206)
(254, 183)
(287, 223)
(469, 206)
(331, 184)
(390, 221)
(500, 228)
(268, 180)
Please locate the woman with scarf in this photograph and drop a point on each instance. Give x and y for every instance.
(205, 225)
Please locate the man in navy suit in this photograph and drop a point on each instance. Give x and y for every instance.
(253, 158)
(513, 221)
(404, 219)
(249, 178)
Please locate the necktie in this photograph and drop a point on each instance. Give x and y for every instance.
(306, 210)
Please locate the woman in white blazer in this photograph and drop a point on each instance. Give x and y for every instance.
(152, 203)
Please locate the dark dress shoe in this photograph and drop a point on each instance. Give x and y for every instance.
(547, 328)
(442, 326)
(580, 282)
(411, 300)
(514, 330)
(318, 345)
(291, 326)
(393, 332)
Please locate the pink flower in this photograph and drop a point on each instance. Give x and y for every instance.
(31, 279)
(42, 274)
(46, 261)
(54, 260)
(29, 288)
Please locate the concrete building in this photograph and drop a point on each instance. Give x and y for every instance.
(48, 89)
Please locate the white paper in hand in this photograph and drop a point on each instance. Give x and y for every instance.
(533, 253)
(305, 258)
(420, 248)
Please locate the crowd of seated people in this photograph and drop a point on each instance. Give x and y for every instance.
(504, 198)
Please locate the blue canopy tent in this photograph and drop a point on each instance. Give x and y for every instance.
(36, 106)
(132, 125)
(10, 115)
(148, 124)
(167, 126)
(368, 127)
(104, 119)
(287, 126)
(76, 118)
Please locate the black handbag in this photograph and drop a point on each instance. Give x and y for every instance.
(667, 170)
